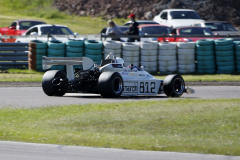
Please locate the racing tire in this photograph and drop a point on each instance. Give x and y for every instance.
(114, 51)
(167, 52)
(173, 85)
(110, 84)
(223, 42)
(149, 52)
(128, 46)
(55, 83)
(112, 44)
(145, 45)
(93, 45)
(56, 45)
(75, 43)
(186, 45)
(38, 44)
(166, 45)
(205, 42)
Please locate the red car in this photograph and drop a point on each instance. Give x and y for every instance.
(17, 28)
(182, 34)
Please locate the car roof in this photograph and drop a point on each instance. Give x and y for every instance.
(189, 27)
(150, 25)
(179, 10)
(49, 25)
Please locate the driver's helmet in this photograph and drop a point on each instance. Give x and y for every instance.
(119, 60)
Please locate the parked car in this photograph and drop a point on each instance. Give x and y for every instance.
(41, 31)
(182, 34)
(140, 22)
(122, 28)
(178, 17)
(153, 29)
(219, 27)
(18, 28)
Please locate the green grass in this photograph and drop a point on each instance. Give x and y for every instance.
(182, 125)
(17, 75)
(11, 10)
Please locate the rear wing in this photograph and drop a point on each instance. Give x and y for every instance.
(85, 62)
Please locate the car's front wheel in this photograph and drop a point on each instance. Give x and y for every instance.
(174, 85)
(110, 84)
(54, 83)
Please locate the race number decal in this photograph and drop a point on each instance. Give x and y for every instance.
(147, 87)
(130, 87)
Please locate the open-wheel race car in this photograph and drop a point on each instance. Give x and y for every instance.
(109, 79)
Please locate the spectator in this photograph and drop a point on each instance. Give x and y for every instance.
(113, 29)
(133, 30)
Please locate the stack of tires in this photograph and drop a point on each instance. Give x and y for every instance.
(224, 49)
(93, 50)
(205, 56)
(237, 55)
(37, 49)
(186, 57)
(114, 47)
(167, 58)
(56, 49)
(75, 48)
(149, 54)
(130, 53)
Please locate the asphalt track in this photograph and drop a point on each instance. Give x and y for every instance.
(29, 97)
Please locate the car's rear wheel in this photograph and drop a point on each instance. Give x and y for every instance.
(174, 85)
(110, 84)
(54, 83)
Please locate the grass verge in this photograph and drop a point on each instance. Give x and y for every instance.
(17, 75)
(182, 125)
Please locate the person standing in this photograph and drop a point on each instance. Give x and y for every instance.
(113, 29)
(133, 30)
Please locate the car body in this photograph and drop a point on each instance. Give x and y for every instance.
(41, 32)
(222, 28)
(140, 22)
(189, 34)
(122, 28)
(18, 28)
(178, 17)
(153, 29)
(110, 79)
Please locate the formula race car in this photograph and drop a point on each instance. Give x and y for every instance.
(109, 79)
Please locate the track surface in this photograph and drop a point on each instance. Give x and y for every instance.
(29, 151)
(30, 97)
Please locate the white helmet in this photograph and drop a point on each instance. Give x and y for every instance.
(119, 60)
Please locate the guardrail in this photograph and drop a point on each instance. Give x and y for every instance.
(13, 55)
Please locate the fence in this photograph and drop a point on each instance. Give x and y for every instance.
(13, 55)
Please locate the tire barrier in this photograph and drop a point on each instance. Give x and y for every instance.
(149, 55)
(114, 47)
(75, 48)
(56, 49)
(37, 49)
(224, 49)
(93, 50)
(186, 57)
(205, 56)
(131, 53)
(167, 58)
(237, 55)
